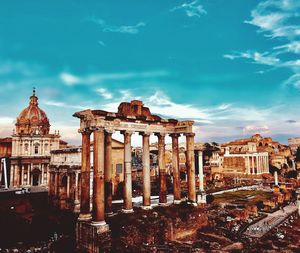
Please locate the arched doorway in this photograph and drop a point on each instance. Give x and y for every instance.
(36, 173)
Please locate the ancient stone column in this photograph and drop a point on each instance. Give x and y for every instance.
(12, 169)
(42, 175)
(76, 201)
(22, 175)
(16, 176)
(190, 165)
(162, 170)
(175, 164)
(257, 164)
(55, 183)
(248, 166)
(85, 177)
(127, 180)
(68, 186)
(108, 172)
(146, 172)
(58, 185)
(98, 179)
(201, 174)
(253, 170)
(276, 177)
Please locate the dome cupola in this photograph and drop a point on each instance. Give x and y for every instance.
(33, 120)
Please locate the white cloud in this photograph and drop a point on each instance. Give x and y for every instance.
(129, 29)
(259, 58)
(71, 79)
(192, 9)
(161, 104)
(273, 18)
(276, 19)
(294, 80)
(249, 130)
(104, 93)
(293, 47)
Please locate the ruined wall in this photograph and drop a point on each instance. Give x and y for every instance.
(234, 165)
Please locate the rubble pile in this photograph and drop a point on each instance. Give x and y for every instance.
(157, 227)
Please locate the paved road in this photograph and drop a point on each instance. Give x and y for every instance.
(263, 226)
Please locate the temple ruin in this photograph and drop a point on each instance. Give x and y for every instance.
(131, 117)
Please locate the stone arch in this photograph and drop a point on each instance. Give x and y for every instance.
(36, 175)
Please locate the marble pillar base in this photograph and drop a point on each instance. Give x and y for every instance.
(127, 211)
(84, 217)
(201, 198)
(92, 237)
(76, 206)
(146, 207)
(163, 204)
(110, 214)
(177, 201)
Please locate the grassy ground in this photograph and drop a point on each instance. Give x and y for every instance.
(242, 197)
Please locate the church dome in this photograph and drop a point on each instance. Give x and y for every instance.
(33, 120)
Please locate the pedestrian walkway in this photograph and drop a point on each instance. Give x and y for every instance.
(263, 226)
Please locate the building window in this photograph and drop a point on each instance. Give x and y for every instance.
(26, 147)
(36, 149)
(119, 168)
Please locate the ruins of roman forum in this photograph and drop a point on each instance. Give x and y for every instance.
(130, 118)
(237, 186)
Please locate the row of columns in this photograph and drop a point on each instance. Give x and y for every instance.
(71, 187)
(102, 179)
(17, 174)
(257, 164)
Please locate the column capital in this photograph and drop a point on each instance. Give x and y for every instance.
(127, 132)
(160, 134)
(174, 135)
(189, 134)
(98, 129)
(146, 133)
(109, 131)
(85, 131)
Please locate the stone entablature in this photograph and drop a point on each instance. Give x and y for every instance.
(136, 121)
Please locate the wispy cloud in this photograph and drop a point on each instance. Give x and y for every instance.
(104, 93)
(191, 9)
(249, 130)
(276, 19)
(129, 29)
(273, 17)
(72, 79)
(256, 57)
(101, 43)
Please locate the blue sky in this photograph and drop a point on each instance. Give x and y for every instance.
(232, 66)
